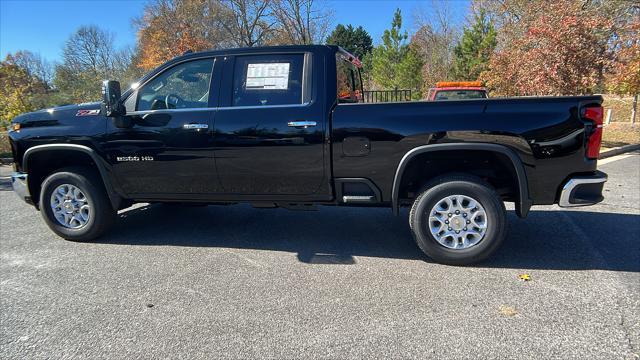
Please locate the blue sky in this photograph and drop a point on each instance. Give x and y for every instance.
(43, 26)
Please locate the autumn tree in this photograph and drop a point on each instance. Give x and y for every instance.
(434, 40)
(89, 56)
(396, 64)
(247, 22)
(15, 85)
(475, 47)
(35, 65)
(21, 87)
(169, 28)
(570, 47)
(300, 22)
(624, 74)
(560, 52)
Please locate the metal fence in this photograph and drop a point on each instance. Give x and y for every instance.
(374, 96)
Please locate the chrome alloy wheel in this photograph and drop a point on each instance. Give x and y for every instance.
(458, 222)
(70, 206)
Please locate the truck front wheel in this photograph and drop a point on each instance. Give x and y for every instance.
(458, 220)
(74, 204)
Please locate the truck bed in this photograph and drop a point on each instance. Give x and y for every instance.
(545, 132)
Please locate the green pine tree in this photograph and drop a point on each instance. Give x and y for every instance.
(474, 49)
(396, 65)
(355, 40)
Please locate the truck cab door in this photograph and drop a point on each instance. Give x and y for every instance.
(167, 152)
(270, 129)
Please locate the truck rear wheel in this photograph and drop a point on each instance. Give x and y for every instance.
(458, 220)
(74, 204)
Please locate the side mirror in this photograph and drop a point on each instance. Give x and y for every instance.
(111, 104)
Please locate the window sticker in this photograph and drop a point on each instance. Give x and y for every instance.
(268, 76)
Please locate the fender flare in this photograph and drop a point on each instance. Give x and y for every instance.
(523, 203)
(114, 198)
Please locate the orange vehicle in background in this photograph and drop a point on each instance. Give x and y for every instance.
(457, 90)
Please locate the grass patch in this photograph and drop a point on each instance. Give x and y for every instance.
(620, 107)
(619, 134)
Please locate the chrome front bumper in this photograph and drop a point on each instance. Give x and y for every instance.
(19, 185)
(583, 190)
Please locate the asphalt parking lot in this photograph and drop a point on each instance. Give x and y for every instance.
(238, 282)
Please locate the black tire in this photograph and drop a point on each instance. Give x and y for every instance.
(102, 214)
(473, 187)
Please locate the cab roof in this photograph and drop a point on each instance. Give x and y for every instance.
(270, 49)
(259, 50)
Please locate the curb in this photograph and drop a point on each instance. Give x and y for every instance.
(619, 150)
(6, 161)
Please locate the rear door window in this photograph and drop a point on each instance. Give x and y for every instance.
(263, 80)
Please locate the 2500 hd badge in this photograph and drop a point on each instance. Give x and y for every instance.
(288, 126)
(134, 158)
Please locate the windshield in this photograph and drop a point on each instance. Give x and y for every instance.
(460, 94)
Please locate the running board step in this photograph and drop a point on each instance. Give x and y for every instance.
(288, 206)
(358, 199)
(298, 207)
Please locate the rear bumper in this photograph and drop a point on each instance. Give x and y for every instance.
(19, 185)
(583, 190)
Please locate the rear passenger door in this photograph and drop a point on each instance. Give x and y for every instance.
(269, 130)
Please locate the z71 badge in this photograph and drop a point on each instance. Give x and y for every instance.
(88, 112)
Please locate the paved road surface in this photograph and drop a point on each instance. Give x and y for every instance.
(239, 282)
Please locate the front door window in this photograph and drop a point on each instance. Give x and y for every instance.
(183, 86)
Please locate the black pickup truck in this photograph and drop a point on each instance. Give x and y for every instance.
(287, 127)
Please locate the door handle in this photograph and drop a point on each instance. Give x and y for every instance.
(301, 124)
(195, 126)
